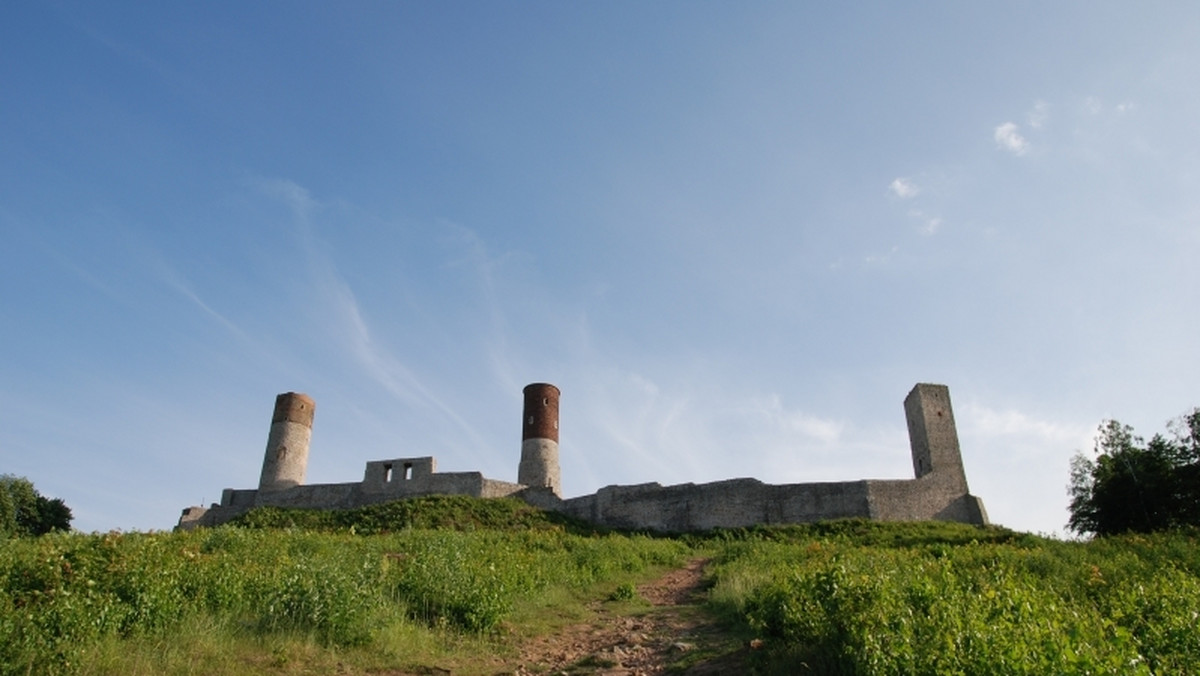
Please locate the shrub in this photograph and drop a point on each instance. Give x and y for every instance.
(1055, 607)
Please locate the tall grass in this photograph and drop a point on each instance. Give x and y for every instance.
(848, 597)
(832, 605)
(62, 595)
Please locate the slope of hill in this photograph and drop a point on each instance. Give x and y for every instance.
(455, 585)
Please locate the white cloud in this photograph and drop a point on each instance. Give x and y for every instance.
(932, 224)
(904, 188)
(1092, 106)
(1125, 107)
(929, 224)
(1039, 115)
(1009, 138)
(992, 423)
(796, 428)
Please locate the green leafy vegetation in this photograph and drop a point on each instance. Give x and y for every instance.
(625, 591)
(457, 512)
(304, 593)
(1132, 485)
(1031, 606)
(61, 595)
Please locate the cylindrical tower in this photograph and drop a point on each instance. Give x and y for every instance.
(286, 459)
(539, 439)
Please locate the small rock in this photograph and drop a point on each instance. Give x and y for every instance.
(680, 646)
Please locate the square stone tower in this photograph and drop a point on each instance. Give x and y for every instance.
(934, 437)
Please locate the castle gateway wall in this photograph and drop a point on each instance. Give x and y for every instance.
(938, 491)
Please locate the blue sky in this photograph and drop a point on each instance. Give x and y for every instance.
(734, 234)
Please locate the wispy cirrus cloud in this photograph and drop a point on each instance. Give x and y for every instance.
(344, 323)
(1008, 137)
(474, 256)
(643, 430)
(291, 194)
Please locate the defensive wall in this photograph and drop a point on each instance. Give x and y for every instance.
(938, 490)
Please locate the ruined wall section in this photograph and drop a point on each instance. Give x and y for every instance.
(740, 503)
(312, 496)
(414, 477)
(734, 503)
(397, 474)
(494, 488)
(383, 481)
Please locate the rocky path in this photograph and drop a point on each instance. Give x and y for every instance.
(674, 633)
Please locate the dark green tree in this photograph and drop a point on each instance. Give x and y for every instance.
(24, 511)
(1132, 485)
(1186, 431)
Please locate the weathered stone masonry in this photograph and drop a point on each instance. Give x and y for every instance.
(938, 491)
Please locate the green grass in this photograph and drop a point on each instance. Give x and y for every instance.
(63, 596)
(457, 583)
(433, 512)
(1124, 605)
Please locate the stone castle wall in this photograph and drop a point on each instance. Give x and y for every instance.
(939, 491)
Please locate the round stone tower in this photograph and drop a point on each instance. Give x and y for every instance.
(539, 439)
(286, 459)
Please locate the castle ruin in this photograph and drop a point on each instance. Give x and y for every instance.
(938, 490)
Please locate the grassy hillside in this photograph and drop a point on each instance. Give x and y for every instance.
(846, 605)
(455, 512)
(462, 582)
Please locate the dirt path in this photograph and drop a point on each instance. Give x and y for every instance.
(674, 632)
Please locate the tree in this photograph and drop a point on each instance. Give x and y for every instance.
(1132, 485)
(24, 511)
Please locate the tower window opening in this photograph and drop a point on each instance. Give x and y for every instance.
(387, 473)
(407, 471)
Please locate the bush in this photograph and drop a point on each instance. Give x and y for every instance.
(64, 593)
(1115, 606)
